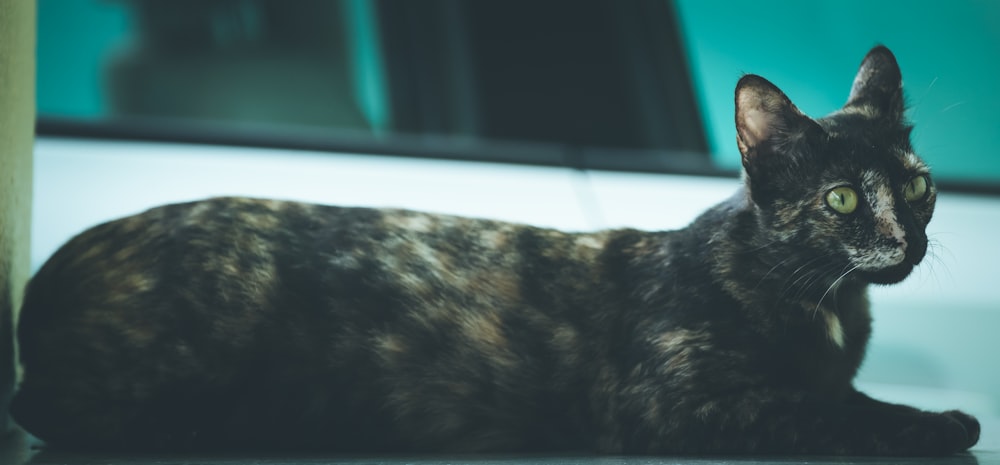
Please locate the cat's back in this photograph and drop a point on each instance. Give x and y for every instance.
(215, 268)
(226, 249)
(256, 243)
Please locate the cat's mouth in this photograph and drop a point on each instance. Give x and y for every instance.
(895, 273)
(890, 275)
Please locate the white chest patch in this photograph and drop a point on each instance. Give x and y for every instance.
(833, 328)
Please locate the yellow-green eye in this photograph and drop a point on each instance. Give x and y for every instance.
(842, 199)
(915, 189)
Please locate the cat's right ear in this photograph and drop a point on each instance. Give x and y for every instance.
(766, 119)
(878, 86)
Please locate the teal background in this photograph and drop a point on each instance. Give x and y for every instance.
(949, 53)
(75, 38)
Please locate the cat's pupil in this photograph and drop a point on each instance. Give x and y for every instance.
(842, 199)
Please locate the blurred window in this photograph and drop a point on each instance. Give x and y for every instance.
(642, 85)
(581, 83)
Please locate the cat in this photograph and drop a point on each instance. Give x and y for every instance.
(250, 324)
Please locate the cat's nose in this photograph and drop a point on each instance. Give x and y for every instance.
(895, 249)
(892, 231)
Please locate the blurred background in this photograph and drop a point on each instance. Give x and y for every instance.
(576, 114)
(647, 75)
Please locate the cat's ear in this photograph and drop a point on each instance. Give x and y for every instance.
(878, 86)
(766, 119)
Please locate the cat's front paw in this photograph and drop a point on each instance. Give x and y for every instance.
(970, 424)
(939, 434)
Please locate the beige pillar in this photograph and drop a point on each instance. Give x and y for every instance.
(17, 130)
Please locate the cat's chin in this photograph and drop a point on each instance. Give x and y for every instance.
(891, 275)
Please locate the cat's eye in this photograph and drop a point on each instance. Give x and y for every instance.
(916, 188)
(842, 199)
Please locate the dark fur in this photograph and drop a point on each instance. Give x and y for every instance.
(239, 323)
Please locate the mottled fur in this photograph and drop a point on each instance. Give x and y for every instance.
(240, 323)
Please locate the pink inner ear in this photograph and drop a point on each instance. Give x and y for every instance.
(757, 126)
(759, 116)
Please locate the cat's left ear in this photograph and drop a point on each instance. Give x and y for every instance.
(766, 120)
(878, 86)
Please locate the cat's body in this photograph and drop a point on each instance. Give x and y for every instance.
(241, 323)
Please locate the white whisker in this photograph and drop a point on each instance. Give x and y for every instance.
(771, 270)
(949, 107)
(934, 259)
(832, 286)
(760, 247)
(805, 278)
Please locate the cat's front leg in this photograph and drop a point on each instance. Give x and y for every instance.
(766, 420)
(951, 429)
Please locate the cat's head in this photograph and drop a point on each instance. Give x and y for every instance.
(846, 188)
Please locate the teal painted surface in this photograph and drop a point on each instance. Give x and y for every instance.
(949, 53)
(74, 40)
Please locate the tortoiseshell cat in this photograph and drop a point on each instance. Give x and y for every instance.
(237, 323)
